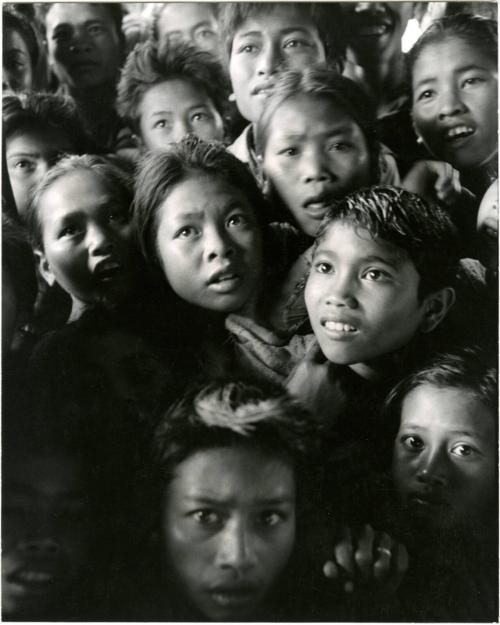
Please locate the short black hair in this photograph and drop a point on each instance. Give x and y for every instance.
(150, 64)
(326, 16)
(421, 229)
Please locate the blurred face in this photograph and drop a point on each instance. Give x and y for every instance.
(455, 103)
(17, 68)
(30, 153)
(46, 532)
(361, 296)
(229, 529)
(262, 46)
(87, 238)
(444, 459)
(315, 154)
(190, 22)
(375, 29)
(209, 244)
(83, 45)
(172, 109)
(487, 227)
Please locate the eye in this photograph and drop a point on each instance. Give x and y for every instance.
(25, 165)
(198, 117)
(270, 518)
(290, 151)
(472, 80)
(339, 146)
(248, 48)
(205, 34)
(425, 95)
(296, 43)
(376, 275)
(323, 267)
(118, 217)
(412, 443)
(95, 29)
(464, 451)
(186, 232)
(68, 231)
(161, 123)
(207, 517)
(238, 219)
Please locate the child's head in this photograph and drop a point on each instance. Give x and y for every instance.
(445, 452)
(80, 226)
(317, 142)
(455, 89)
(38, 128)
(20, 51)
(487, 228)
(190, 22)
(232, 461)
(168, 92)
(382, 270)
(198, 215)
(261, 39)
(85, 42)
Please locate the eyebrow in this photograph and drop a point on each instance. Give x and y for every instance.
(342, 130)
(284, 31)
(459, 70)
(392, 262)
(264, 501)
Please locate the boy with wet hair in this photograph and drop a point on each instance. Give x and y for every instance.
(167, 91)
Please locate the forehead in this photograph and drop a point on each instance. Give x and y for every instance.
(185, 14)
(240, 475)
(13, 40)
(31, 137)
(273, 19)
(75, 13)
(78, 190)
(177, 93)
(455, 53)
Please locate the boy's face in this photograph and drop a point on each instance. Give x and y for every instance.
(229, 529)
(190, 22)
(262, 46)
(46, 532)
(315, 154)
(444, 458)
(30, 153)
(174, 108)
(83, 45)
(17, 69)
(361, 296)
(209, 244)
(455, 100)
(87, 238)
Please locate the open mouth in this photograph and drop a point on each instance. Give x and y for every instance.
(263, 90)
(458, 133)
(225, 281)
(108, 271)
(33, 581)
(318, 205)
(337, 326)
(234, 598)
(373, 29)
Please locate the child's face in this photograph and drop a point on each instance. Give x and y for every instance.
(444, 459)
(174, 108)
(262, 46)
(46, 532)
(83, 45)
(315, 153)
(209, 244)
(361, 296)
(87, 238)
(455, 103)
(30, 153)
(17, 68)
(190, 22)
(487, 227)
(229, 529)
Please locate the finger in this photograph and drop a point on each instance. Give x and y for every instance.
(364, 552)
(384, 555)
(343, 552)
(399, 567)
(331, 570)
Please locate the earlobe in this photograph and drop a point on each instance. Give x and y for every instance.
(262, 179)
(437, 306)
(44, 267)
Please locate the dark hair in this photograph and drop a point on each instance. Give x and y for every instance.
(323, 83)
(18, 260)
(480, 32)
(471, 369)
(13, 19)
(149, 64)
(111, 176)
(408, 221)
(159, 172)
(46, 111)
(326, 17)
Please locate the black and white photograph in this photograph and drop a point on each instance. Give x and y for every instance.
(250, 312)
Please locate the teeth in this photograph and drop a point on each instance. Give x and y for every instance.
(339, 327)
(35, 576)
(459, 131)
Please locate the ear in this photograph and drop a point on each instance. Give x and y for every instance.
(436, 306)
(263, 181)
(44, 267)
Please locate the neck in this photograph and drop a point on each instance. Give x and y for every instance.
(384, 367)
(77, 309)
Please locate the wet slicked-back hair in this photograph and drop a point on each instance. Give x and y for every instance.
(113, 177)
(479, 32)
(326, 16)
(329, 85)
(419, 228)
(159, 172)
(150, 64)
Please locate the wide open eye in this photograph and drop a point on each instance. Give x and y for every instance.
(463, 450)
(323, 267)
(207, 517)
(412, 442)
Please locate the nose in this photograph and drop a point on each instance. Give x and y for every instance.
(218, 244)
(314, 166)
(80, 41)
(236, 549)
(433, 469)
(269, 60)
(42, 545)
(342, 291)
(360, 7)
(450, 103)
(180, 130)
(99, 241)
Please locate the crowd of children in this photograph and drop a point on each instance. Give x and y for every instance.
(249, 312)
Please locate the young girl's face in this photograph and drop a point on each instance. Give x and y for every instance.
(444, 459)
(87, 238)
(229, 529)
(174, 108)
(17, 68)
(209, 244)
(315, 154)
(264, 44)
(455, 102)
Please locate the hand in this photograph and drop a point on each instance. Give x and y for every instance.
(435, 178)
(371, 560)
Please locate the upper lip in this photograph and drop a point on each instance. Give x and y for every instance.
(322, 197)
(430, 497)
(262, 86)
(237, 588)
(105, 265)
(338, 319)
(48, 569)
(224, 272)
(449, 129)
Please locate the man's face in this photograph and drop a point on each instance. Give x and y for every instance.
(229, 529)
(83, 44)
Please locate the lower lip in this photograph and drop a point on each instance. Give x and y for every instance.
(425, 503)
(457, 142)
(233, 600)
(316, 210)
(22, 587)
(339, 335)
(225, 287)
(373, 31)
